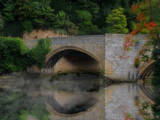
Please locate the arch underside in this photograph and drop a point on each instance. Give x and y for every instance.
(145, 74)
(146, 70)
(72, 60)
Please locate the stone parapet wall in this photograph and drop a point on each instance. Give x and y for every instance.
(93, 45)
(105, 49)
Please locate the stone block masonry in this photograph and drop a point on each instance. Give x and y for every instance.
(105, 49)
(115, 67)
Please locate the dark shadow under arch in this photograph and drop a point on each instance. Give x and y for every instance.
(76, 56)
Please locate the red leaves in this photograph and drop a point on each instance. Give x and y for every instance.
(153, 24)
(128, 42)
(140, 17)
(124, 56)
(134, 8)
(150, 25)
(142, 26)
(134, 32)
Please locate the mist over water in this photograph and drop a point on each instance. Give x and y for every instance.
(67, 94)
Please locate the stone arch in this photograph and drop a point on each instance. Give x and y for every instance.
(146, 69)
(65, 48)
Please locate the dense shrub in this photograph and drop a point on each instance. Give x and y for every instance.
(38, 53)
(15, 56)
(27, 25)
(117, 21)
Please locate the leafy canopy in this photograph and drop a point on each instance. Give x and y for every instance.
(16, 57)
(117, 21)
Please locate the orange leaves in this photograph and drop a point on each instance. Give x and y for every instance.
(126, 45)
(133, 32)
(140, 17)
(153, 24)
(150, 26)
(124, 56)
(128, 42)
(143, 26)
(134, 8)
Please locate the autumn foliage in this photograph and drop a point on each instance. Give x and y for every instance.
(143, 24)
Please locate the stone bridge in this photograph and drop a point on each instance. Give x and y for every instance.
(91, 53)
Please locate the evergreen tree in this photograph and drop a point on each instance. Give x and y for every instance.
(117, 21)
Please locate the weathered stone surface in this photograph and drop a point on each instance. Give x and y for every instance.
(105, 49)
(123, 68)
(119, 100)
(36, 34)
(91, 45)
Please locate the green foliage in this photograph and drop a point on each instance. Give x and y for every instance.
(37, 110)
(117, 21)
(34, 13)
(155, 56)
(1, 22)
(38, 54)
(85, 22)
(10, 52)
(8, 10)
(17, 106)
(145, 106)
(156, 106)
(155, 41)
(15, 56)
(129, 115)
(85, 18)
(60, 19)
(10, 105)
(27, 25)
(62, 14)
(12, 29)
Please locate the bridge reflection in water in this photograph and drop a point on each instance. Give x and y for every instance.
(75, 96)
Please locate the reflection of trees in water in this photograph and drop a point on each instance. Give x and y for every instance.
(29, 99)
(15, 105)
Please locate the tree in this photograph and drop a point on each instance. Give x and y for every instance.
(117, 21)
(1, 22)
(60, 20)
(85, 22)
(84, 18)
(148, 21)
(7, 10)
(45, 14)
(34, 14)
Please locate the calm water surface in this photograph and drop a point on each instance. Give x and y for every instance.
(28, 96)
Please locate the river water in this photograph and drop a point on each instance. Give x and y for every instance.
(67, 97)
